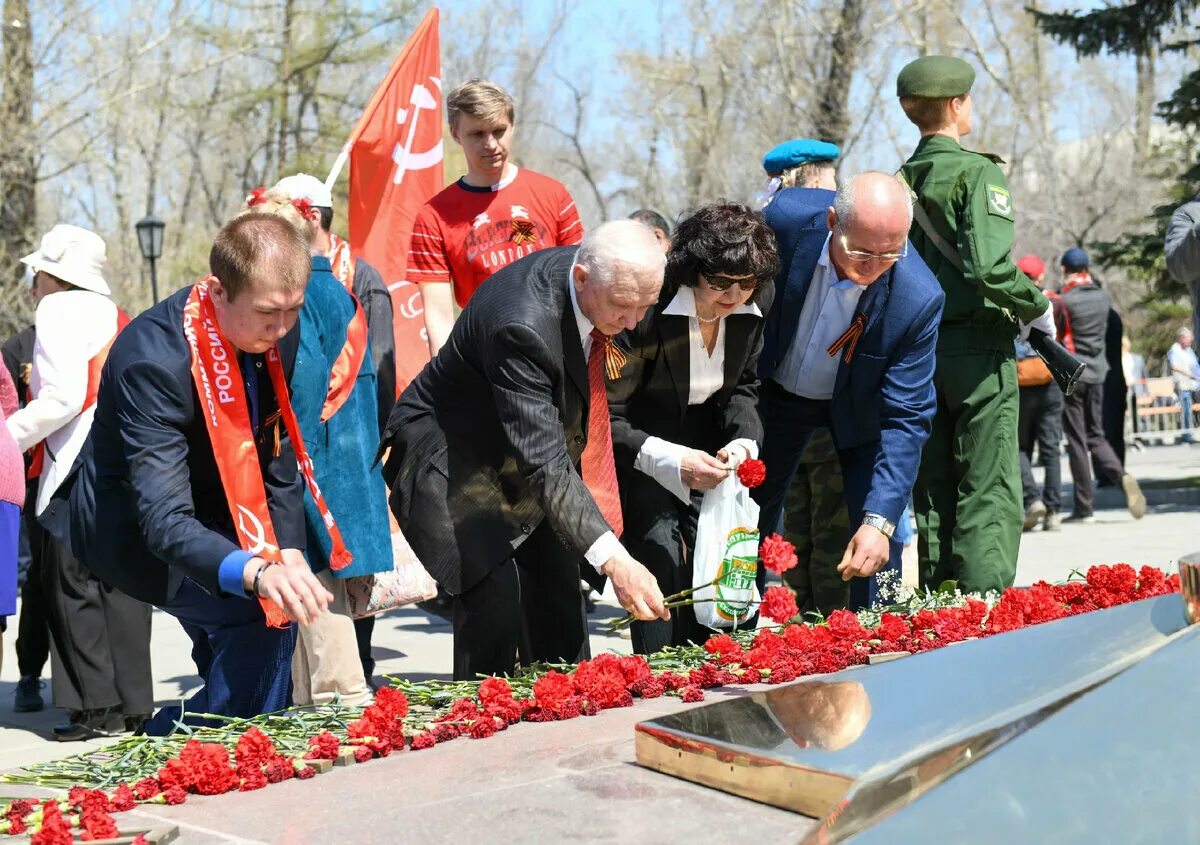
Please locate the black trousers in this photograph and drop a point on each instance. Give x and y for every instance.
(364, 629)
(1083, 423)
(1041, 424)
(101, 638)
(530, 605)
(660, 533)
(33, 625)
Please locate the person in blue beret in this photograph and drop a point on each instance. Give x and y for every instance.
(800, 163)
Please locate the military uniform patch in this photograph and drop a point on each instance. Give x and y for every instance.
(999, 202)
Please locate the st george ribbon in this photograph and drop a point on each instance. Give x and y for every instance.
(859, 746)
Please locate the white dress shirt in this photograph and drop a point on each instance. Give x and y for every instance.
(71, 327)
(661, 459)
(606, 544)
(807, 368)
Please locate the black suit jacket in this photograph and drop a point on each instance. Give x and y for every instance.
(486, 440)
(144, 505)
(651, 396)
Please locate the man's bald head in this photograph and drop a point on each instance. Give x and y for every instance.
(869, 224)
(618, 274)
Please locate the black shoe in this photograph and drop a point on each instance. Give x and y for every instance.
(440, 607)
(29, 695)
(135, 723)
(90, 724)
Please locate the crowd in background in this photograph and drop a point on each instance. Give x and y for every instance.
(229, 456)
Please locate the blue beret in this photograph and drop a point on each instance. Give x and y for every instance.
(1075, 259)
(796, 152)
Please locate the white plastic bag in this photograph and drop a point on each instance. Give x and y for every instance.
(726, 546)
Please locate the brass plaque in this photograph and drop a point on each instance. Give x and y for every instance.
(803, 745)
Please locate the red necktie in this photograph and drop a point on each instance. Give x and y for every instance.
(599, 469)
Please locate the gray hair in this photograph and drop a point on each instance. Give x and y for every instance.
(621, 247)
(878, 183)
(1183, 331)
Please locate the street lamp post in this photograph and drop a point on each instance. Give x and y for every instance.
(150, 240)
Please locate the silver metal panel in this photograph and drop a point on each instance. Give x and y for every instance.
(1118, 764)
(801, 746)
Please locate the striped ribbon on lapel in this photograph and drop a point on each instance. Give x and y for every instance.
(848, 339)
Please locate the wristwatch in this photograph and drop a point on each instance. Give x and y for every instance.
(882, 523)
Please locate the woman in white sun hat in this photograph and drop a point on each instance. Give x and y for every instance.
(102, 637)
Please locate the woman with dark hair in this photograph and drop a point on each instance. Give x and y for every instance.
(685, 408)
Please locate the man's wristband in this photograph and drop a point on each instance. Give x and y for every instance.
(883, 524)
(258, 576)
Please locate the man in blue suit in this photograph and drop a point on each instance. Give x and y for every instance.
(849, 343)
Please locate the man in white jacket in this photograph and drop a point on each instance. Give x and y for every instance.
(101, 636)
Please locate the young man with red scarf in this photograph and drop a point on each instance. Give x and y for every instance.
(1086, 306)
(187, 494)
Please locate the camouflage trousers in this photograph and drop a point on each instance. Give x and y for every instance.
(815, 521)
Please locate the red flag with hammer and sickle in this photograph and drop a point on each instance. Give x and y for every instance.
(395, 167)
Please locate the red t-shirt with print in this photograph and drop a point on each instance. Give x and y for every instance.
(465, 234)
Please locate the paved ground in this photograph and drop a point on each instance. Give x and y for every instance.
(413, 644)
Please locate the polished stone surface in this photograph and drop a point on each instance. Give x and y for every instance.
(804, 745)
(1118, 764)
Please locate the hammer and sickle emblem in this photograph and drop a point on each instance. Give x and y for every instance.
(405, 157)
(414, 306)
(257, 537)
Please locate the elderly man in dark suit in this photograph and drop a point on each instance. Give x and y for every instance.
(849, 343)
(147, 507)
(501, 460)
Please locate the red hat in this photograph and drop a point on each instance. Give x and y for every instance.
(1031, 266)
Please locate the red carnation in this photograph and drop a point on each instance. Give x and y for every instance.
(323, 746)
(55, 829)
(123, 798)
(553, 690)
(494, 691)
(146, 788)
(252, 778)
(692, 693)
(279, 768)
(483, 728)
(208, 764)
(893, 628)
(635, 668)
(174, 795)
(725, 647)
(651, 688)
(254, 748)
(779, 605)
(752, 472)
(423, 740)
(845, 626)
(304, 772)
(392, 701)
(777, 554)
(140, 839)
(362, 754)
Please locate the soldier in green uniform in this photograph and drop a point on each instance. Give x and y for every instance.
(968, 491)
(816, 522)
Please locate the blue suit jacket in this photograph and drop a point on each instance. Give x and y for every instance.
(884, 398)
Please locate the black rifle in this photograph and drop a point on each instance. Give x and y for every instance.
(1064, 366)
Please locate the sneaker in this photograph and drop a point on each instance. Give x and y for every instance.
(1034, 514)
(1053, 522)
(1086, 519)
(29, 695)
(1134, 500)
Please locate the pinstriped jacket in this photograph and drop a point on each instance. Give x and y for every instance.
(486, 441)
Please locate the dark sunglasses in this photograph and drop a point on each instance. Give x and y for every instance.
(725, 283)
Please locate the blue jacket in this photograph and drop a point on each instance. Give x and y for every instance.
(342, 449)
(884, 398)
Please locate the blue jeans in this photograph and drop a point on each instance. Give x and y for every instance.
(246, 666)
(1185, 410)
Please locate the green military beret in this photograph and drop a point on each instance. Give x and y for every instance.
(935, 76)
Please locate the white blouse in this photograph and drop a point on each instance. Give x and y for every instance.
(707, 370)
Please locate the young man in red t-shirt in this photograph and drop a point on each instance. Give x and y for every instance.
(490, 217)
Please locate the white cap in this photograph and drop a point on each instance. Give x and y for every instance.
(302, 186)
(72, 254)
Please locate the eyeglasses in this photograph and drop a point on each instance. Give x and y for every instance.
(864, 255)
(725, 283)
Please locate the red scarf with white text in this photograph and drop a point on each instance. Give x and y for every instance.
(222, 393)
(344, 372)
